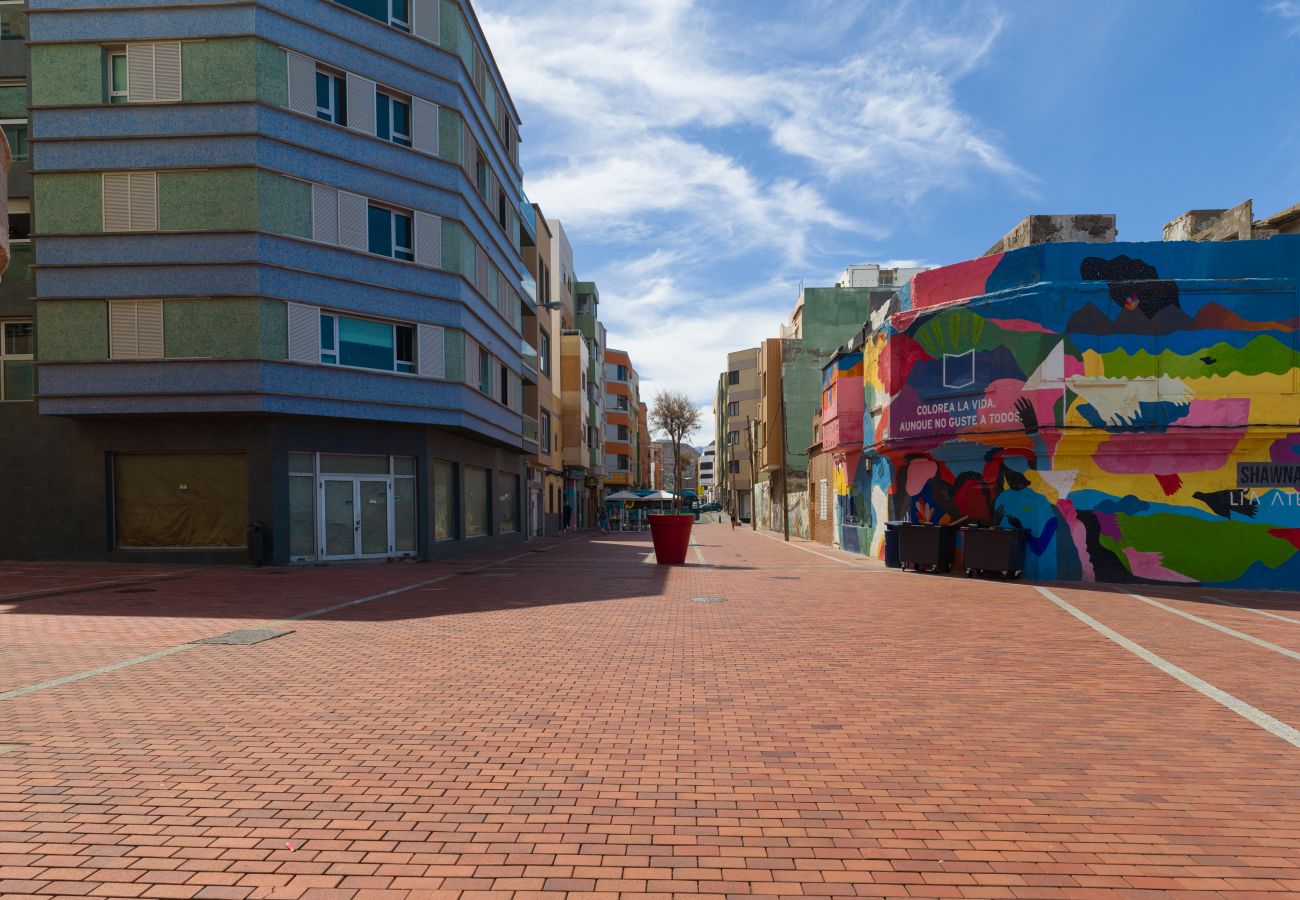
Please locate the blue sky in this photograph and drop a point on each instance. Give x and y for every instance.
(706, 155)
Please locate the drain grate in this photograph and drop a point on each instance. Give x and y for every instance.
(246, 636)
(708, 599)
(136, 591)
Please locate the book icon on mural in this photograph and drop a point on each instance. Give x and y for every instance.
(959, 369)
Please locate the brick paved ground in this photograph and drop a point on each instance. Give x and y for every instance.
(570, 722)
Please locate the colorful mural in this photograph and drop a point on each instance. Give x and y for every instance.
(1102, 397)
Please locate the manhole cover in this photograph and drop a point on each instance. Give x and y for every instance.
(708, 599)
(136, 591)
(246, 636)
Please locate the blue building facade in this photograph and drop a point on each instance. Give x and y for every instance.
(280, 278)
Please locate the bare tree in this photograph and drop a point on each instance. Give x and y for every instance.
(674, 415)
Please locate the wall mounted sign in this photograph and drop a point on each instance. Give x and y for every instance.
(1268, 475)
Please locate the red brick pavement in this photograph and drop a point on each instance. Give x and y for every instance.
(571, 723)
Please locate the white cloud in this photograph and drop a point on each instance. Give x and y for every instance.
(1287, 9)
(708, 153)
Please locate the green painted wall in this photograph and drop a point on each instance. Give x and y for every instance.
(208, 200)
(284, 205)
(450, 144)
(219, 70)
(68, 203)
(211, 70)
(214, 199)
(67, 74)
(71, 330)
(228, 328)
(453, 345)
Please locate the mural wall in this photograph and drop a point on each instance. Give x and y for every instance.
(1136, 407)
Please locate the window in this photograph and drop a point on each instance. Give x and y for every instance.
(130, 201)
(302, 505)
(733, 408)
(624, 462)
(393, 119)
(390, 233)
(484, 372)
(13, 21)
(16, 133)
(822, 512)
(135, 329)
(366, 344)
(544, 351)
(622, 373)
(16, 353)
(116, 77)
(508, 505)
(391, 12)
(331, 98)
(622, 432)
(733, 377)
(505, 385)
(476, 501)
(735, 467)
(483, 177)
(444, 501)
(621, 401)
(733, 437)
(546, 430)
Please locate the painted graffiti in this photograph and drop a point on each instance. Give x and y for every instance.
(1136, 408)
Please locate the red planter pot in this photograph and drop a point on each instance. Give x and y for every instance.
(672, 537)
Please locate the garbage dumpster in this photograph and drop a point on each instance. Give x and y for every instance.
(891, 545)
(994, 551)
(925, 547)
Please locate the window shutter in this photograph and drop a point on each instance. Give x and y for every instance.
(167, 72)
(516, 393)
(302, 84)
(471, 361)
(149, 328)
(353, 221)
(425, 20)
(470, 154)
(324, 214)
(428, 240)
(304, 332)
(122, 340)
(361, 104)
(144, 201)
(140, 73)
(424, 126)
(432, 352)
(117, 201)
(481, 271)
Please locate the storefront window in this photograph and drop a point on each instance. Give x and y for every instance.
(404, 515)
(444, 501)
(508, 504)
(193, 500)
(476, 502)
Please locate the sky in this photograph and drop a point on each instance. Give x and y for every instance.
(706, 156)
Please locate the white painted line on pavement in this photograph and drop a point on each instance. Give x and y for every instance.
(1241, 635)
(699, 555)
(90, 673)
(1252, 609)
(127, 663)
(1273, 726)
(844, 562)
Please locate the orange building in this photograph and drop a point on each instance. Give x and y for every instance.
(622, 421)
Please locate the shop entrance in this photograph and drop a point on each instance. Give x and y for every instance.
(356, 517)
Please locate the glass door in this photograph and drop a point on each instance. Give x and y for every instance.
(356, 517)
(339, 518)
(374, 517)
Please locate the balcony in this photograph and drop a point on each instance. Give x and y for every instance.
(528, 284)
(528, 354)
(527, 218)
(529, 435)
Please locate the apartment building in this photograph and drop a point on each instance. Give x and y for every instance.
(543, 402)
(643, 446)
(587, 300)
(768, 437)
(736, 411)
(282, 283)
(708, 457)
(622, 426)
